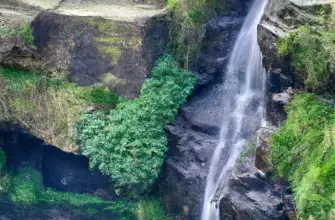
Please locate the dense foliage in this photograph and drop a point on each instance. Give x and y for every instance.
(313, 56)
(49, 108)
(129, 143)
(304, 152)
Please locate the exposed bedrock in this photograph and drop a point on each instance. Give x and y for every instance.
(113, 43)
(280, 18)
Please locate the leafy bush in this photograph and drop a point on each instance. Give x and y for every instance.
(26, 31)
(26, 187)
(103, 97)
(313, 56)
(129, 143)
(304, 152)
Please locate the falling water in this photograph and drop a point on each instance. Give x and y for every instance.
(243, 110)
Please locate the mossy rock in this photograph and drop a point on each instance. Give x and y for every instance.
(91, 49)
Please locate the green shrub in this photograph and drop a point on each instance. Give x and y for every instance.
(304, 152)
(49, 108)
(28, 35)
(26, 187)
(313, 56)
(129, 143)
(151, 210)
(103, 97)
(26, 31)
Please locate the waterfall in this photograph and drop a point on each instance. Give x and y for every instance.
(243, 110)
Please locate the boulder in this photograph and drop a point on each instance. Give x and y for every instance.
(250, 197)
(262, 148)
(112, 43)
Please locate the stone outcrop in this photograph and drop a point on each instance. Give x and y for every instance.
(280, 18)
(251, 197)
(251, 192)
(113, 43)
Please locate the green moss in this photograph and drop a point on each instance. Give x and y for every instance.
(304, 152)
(187, 27)
(114, 37)
(52, 107)
(111, 79)
(111, 51)
(151, 209)
(26, 187)
(313, 56)
(3, 159)
(102, 96)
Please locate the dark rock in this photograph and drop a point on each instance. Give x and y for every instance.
(182, 183)
(15, 53)
(217, 45)
(280, 18)
(250, 197)
(60, 170)
(262, 144)
(96, 50)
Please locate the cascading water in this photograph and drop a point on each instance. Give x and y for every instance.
(243, 110)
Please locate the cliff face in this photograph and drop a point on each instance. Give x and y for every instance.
(282, 17)
(111, 43)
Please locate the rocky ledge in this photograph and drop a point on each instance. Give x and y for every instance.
(112, 43)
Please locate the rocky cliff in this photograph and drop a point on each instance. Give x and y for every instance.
(113, 43)
(281, 18)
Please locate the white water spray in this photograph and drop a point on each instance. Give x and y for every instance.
(243, 110)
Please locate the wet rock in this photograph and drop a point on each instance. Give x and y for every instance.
(250, 197)
(282, 17)
(262, 148)
(182, 183)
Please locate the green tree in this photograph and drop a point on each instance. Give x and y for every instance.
(129, 143)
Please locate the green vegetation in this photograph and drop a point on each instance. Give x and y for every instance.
(4, 177)
(103, 97)
(304, 152)
(188, 26)
(3, 159)
(151, 209)
(49, 108)
(26, 31)
(313, 56)
(26, 188)
(129, 143)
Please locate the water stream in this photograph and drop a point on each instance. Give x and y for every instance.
(243, 110)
